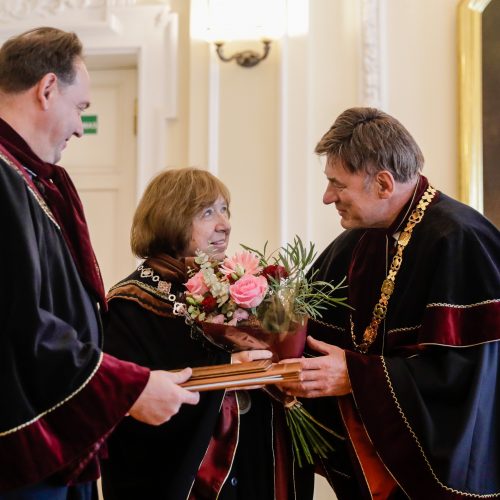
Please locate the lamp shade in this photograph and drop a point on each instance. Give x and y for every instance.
(229, 20)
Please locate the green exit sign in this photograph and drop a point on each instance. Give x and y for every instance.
(89, 124)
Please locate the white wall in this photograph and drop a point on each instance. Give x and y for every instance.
(422, 81)
(256, 128)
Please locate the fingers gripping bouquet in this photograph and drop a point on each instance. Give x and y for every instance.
(258, 301)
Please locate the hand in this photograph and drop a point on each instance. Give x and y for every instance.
(245, 356)
(321, 376)
(162, 397)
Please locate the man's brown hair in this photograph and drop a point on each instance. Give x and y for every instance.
(26, 58)
(163, 219)
(369, 140)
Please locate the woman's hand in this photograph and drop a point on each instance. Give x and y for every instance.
(245, 356)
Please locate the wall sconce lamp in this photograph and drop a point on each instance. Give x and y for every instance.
(245, 58)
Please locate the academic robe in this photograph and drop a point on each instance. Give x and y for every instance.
(423, 419)
(61, 396)
(216, 449)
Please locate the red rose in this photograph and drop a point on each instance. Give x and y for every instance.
(209, 304)
(274, 271)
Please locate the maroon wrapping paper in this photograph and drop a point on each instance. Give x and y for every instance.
(245, 336)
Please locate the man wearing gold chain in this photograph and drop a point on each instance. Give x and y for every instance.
(61, 396)
(414, 366)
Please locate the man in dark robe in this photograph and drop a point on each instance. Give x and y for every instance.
(410, 375)
(61, 396)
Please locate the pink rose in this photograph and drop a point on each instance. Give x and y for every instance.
(249, 291)
(196, 284)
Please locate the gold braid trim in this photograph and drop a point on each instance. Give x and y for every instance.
(148, 294)
(116, 289)
(404, 329)
(330, 325)
(41, 415)
(422, 452)
(463, 306)
(380, 309)
(35, 194)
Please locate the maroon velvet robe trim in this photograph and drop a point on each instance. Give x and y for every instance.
(49, 444)
(384, 422)
(372, 472)
(460, 326)
(219, 456)
(58, 191)
(283, 459)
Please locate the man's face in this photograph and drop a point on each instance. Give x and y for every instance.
(64, 114)
(355, 196)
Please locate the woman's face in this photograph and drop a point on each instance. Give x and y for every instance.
(210, 230)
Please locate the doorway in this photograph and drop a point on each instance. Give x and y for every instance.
(103, 167)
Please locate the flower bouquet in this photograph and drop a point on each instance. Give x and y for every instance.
(258, 301)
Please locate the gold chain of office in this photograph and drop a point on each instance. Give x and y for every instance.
(380, 309)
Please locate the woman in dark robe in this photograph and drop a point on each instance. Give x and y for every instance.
(225, 447)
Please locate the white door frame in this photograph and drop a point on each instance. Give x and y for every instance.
(146, 33)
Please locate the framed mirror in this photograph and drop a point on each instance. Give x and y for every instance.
(479, 105)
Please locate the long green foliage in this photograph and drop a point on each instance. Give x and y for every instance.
(297, 293)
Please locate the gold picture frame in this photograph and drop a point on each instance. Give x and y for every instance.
(470, 122)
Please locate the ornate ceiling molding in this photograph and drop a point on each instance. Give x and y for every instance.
(24, 10)
(21, 9)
